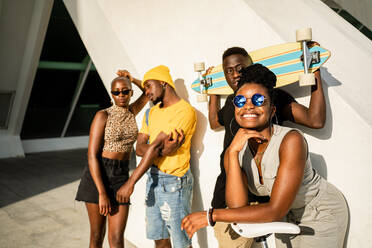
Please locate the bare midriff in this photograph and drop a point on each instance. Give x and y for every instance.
(116, 155)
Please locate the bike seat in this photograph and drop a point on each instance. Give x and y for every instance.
(253, 230)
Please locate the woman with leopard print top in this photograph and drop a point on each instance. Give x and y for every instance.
(112, 134)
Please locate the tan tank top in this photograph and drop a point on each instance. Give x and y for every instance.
(269, 166)
(120, 131)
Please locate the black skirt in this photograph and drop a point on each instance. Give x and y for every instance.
(114, 174)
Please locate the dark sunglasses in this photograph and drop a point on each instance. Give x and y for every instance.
(257, 100)
(124, 92)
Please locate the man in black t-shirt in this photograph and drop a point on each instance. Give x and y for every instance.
(287, 109)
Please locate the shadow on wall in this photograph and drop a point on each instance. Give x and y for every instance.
(197, 149)
(319, 164)
(181, 89)
(328, 81)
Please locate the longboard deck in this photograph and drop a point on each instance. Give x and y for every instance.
(284, 60)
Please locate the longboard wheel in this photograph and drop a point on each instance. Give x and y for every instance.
(303, 34)
(202, 98)
(307, 79)
(199, 66)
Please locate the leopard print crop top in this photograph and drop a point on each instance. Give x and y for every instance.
(120, 131)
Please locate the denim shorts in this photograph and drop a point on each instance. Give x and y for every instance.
(114, 174)
(168, 201)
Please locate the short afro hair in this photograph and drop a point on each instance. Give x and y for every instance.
(236, 50)
(258, 74)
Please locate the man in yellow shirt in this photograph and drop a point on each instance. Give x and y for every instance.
(165, 140)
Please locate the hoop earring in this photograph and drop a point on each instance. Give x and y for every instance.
(232, 134)
(276, 119)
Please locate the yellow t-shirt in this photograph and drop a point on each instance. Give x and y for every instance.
(180, 115)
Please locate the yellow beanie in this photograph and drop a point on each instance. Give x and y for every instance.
(160, 73)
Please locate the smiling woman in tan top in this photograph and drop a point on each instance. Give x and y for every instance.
(112, 134)
(273, 161)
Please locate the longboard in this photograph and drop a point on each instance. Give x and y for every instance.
(284, 60)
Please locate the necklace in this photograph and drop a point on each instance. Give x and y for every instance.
(257, 156)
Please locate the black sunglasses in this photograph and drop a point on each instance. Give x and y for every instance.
(257, 100)
(124, 92)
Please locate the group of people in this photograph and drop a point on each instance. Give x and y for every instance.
(266, 172)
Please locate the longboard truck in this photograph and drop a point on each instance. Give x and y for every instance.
(205, 82)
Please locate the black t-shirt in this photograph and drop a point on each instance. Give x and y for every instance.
(226, 118)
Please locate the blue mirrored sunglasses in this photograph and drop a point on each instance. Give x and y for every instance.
(257, 100)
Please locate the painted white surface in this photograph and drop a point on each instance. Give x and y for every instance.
(360, 9)
(138, 35)
(23, 26)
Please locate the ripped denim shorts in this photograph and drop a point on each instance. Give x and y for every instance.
(168, 201)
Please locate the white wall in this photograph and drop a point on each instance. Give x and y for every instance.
(360, 9)
(141, 34)
(22, 26)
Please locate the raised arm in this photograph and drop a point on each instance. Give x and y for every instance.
(315, 115)
(94, 149)
(213, 108)
(141, 101)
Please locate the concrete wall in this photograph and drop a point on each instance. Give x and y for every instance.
(141, 34)
(360, 9)
(22, 26)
